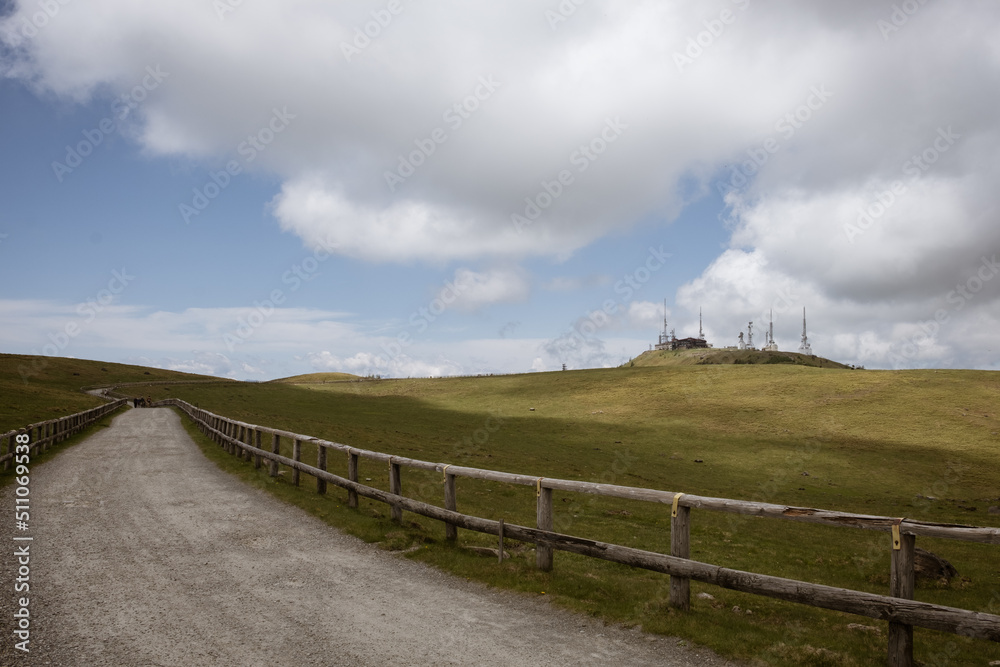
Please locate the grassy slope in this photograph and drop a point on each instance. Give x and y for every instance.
(38, 388)
(870, 441)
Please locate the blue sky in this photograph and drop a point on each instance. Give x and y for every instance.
(747, 154)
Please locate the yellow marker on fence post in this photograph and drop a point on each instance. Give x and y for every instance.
(673, 511)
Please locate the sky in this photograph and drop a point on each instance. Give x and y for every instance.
(261, 189)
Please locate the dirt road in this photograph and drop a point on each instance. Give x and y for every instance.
(144, 553)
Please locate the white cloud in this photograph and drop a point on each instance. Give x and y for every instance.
(550, 107)
(472, 290)
(646, 315)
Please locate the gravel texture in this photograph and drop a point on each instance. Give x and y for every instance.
(145, 553)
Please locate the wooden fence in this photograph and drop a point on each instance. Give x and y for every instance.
(898, 608)
(42, 435)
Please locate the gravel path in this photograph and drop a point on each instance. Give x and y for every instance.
(145, 553)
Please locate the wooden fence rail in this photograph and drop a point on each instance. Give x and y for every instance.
(899, 609)
(42, 435)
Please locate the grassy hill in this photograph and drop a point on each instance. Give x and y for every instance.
(317, 378)
(921, 444)
(713, 356)
(35, 388)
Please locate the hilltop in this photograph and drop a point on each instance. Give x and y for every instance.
(723, 356)
(318, 378)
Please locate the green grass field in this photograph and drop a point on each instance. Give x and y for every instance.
(877, 442)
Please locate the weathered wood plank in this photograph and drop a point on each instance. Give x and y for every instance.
(543, 519)
(275, 449)
(451, 503)
(321, 464)
(500, 550)
(352, 474)
(395, 488)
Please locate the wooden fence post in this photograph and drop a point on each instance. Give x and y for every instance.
(321, 464)
(256, 443)
(450, 529)
(396, 487)
(296, 456)
(275, 449)
(543, 520)
(901, 585)
(352, 474)
(680, 546)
